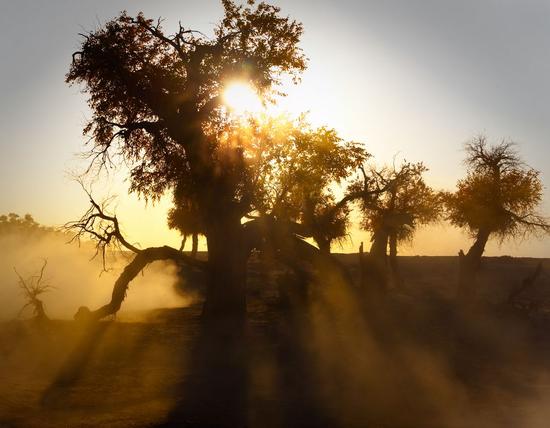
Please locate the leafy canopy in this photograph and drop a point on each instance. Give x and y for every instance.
(500, 193)
(406, 202)
(300, 171)
(157, 98)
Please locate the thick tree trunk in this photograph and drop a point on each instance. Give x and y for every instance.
(468, 266)
(324, 245)
(376, 270)
(227, 258)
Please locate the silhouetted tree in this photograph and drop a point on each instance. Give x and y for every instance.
(33, 287)
(394, 214)
(498, 197)
(26, 225)
(157, 102)
(300, 171)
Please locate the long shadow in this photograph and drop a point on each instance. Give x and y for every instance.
(218, 389)
(73, 368)
(214, 390)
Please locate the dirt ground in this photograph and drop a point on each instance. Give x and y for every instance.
(414, 360)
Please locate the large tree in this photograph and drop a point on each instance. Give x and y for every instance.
(157, 103)
(498, 198)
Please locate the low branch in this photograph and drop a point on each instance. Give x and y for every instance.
(144, 257)
(531, 221)
(100, 227)
(285, 241)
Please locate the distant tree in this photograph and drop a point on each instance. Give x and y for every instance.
(26, 225)
(498, 198)
(394, 214)
(32, 288)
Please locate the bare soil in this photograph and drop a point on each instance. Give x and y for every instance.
(413, 360)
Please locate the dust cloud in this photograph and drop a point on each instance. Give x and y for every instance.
(334, 358)
(419, 359)
(78, 280)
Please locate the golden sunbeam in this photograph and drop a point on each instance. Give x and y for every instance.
(241, 98)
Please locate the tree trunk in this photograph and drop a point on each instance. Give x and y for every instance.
(468, 266)
(377, 269)
(195, 247)
(393, 264)
(361, 266)
(183, 241)
(525, 284)
(324, 245)
(227, 258)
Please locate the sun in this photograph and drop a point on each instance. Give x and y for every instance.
(241, 98)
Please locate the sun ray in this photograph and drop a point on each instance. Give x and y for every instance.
(241, 98)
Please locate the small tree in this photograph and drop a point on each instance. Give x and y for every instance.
(394, 214)
(33, 287)
(498, 198)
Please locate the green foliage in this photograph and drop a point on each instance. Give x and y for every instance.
(500, 194)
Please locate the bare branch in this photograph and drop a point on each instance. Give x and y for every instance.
(141, 260)
(100, 227)
(33, 287)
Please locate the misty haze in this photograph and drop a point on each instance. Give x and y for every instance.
(274, 214)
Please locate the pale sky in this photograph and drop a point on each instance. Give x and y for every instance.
(416, 78)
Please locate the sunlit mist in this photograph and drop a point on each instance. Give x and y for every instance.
(241, 98)
(275, 213)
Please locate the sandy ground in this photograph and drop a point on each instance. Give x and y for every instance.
(415, 360)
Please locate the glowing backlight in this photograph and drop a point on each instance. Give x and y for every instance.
(241, 98)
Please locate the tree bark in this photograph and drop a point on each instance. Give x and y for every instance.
(195, 247)
(324, 245)
(376, 269)
(393, 263)
(183, 241)
(469, 264)
(227, 259)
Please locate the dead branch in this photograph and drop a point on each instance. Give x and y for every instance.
(33, 287)
(192, 269)
(100, 227)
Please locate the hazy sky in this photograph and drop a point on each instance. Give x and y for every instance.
(415, 78)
